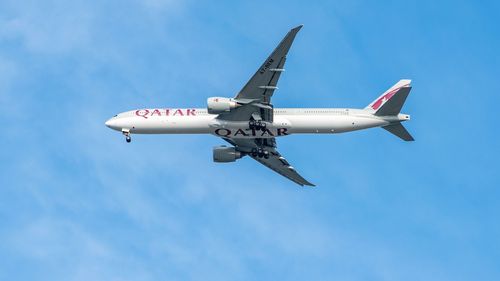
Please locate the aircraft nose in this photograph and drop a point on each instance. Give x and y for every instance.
(109, 123)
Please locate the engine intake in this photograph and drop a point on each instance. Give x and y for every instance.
(216, 105)
(224, 154)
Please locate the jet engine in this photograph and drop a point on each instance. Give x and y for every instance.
(224, 154)
(216, 105)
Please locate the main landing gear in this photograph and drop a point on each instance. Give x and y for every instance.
(259, 152)
(257, 125)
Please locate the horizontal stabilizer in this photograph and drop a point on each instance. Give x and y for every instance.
(399, 130)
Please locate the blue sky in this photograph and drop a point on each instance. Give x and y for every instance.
(78, 203)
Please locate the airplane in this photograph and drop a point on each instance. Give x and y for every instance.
(250, 123)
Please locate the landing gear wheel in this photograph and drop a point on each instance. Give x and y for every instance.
(126, 133)
(257, 125)
(251, 124)
(261, 152)
(263, 126)
(266, 154)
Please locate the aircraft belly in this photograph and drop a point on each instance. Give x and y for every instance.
(240, 129)
(328, 124)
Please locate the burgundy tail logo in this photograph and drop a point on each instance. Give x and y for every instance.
(377, 104)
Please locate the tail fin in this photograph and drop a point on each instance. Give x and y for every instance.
(391, 101)
(399, 130)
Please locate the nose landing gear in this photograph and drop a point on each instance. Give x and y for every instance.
(126, 133)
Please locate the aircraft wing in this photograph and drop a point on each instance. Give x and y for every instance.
(275, 162)
(255, 96)
(263, 83)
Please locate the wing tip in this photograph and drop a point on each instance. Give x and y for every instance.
(298, 27)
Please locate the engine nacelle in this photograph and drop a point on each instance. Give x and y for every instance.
(224, 154)
(216, 105)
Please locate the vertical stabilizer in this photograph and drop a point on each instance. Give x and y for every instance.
(392, 100)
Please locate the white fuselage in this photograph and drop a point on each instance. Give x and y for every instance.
(286, 121)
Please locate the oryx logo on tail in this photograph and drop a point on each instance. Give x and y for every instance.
(383, 99)
(389, 94)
